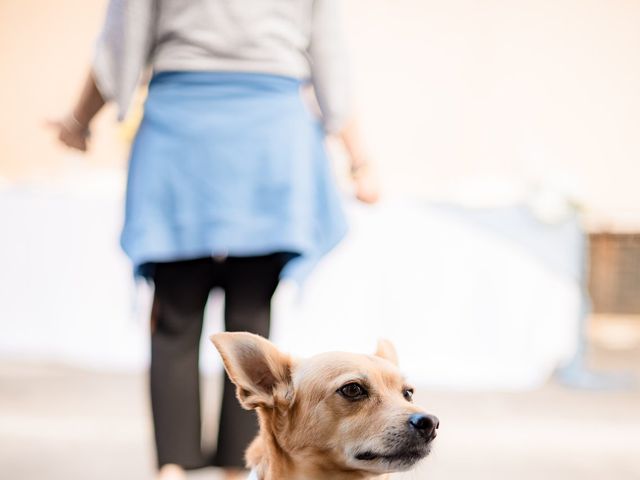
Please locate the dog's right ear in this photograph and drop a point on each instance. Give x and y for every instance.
(259, 370)
(387, 351)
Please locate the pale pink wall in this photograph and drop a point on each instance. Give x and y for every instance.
(45, 49)
(522, 88)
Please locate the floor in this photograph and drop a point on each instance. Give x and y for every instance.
(62, 423)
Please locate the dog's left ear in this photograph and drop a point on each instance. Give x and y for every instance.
(387, 351)
(259, 370)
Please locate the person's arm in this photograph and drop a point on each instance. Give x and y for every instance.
(329, 72)
(89, 103)
(73, 129)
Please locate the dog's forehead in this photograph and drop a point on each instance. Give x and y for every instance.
(336, 366)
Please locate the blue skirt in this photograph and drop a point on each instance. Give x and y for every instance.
(229, 164)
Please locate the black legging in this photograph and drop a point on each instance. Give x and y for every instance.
(181, 293)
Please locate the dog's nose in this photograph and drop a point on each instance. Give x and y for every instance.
(425, 424)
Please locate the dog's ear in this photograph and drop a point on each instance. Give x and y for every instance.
(259, 370)
(387, 351)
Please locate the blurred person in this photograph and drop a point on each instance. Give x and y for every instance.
(229, 185)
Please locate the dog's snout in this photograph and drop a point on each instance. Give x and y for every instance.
(425, 424)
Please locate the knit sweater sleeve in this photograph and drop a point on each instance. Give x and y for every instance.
(123, 50)
(329, 64)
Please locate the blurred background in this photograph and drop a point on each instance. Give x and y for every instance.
(503, 261)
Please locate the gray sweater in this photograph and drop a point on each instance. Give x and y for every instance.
(297, 38)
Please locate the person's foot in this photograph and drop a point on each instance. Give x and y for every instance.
(234, 474)
(171, 472)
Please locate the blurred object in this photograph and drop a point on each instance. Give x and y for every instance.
(614, 280)
(555, 201)
(577, 373)
(612, 287)
(473, 298)
(615, 332)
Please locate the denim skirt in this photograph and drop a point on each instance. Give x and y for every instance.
(229, 164)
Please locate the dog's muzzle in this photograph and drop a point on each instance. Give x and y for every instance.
(407, 446)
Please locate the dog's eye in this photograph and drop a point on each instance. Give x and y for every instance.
(408, 394)
(352, 391)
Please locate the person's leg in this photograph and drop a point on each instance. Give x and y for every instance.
(249, 284)
(181, 293)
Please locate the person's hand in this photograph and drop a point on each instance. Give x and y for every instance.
(362, 173)
(70, 132)
(366, 183)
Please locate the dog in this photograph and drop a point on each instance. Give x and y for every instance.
(338, 416)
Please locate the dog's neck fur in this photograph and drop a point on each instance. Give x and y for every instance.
(271, 461)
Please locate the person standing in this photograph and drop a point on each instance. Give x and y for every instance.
(229, 185)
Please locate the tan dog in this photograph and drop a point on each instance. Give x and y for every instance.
(338, 416)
